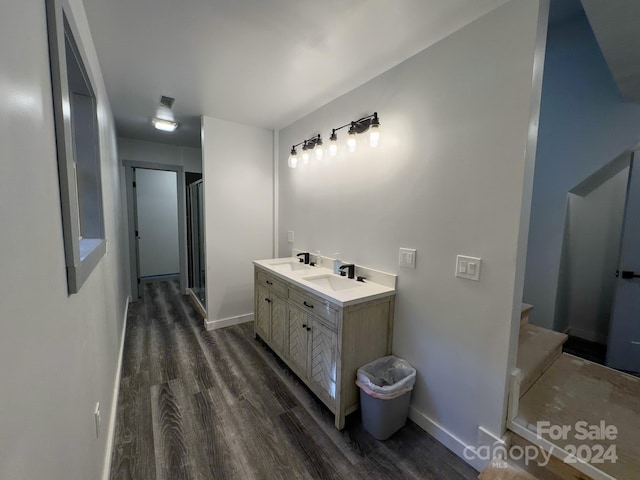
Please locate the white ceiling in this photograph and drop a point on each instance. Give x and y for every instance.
(258, 62)
(615, 25)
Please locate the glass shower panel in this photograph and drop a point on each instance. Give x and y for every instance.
(196, 227)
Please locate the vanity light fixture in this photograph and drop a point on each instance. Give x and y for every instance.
(357, 127)
(313, 143)
(369, 123)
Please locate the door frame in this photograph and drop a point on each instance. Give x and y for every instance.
(129, 166)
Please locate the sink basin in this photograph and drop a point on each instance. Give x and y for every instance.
(332, 282)
(290, 266)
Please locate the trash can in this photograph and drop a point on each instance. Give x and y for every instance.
(385, 390)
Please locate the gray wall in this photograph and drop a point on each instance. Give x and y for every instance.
(590, 258)
(584, 124)
(150, 152)
(58, 353)
(448, 178)
(238, 213)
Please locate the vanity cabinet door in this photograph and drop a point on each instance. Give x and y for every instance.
(278, 323)
(263, 313)
(298, 338)
(322, 358)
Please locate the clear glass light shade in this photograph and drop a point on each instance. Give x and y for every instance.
(319, 152)
(374, 136)
(352, 143)
(333, 148)
(305, 157)
(293, 160)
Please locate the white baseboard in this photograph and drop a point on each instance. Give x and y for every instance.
(114, 401)
(445, 437)
(227, 322)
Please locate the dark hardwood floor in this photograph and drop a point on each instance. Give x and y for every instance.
(592, 351)
(220, 405)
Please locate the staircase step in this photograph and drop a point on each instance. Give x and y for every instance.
(524, 314)
(538, 348)
(554, 469)
(575, 390)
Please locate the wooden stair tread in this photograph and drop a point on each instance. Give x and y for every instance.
(526, 308)
(524, 314)
(538, 348)
(573, 389)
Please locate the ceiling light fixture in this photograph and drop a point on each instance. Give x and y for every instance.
(164, 125)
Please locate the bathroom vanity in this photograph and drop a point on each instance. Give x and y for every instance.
(324, 326)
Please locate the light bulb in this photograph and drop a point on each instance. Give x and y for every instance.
(333, 144)
(319, 150)
(351, 142)
(374, 136)
(293, 160)
(305, 156)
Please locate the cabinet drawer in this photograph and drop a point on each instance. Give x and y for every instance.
(271, 282)
(314, 305)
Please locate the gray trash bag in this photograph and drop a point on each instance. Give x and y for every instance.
(386, 378)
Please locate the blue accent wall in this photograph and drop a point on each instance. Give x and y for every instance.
(584, 124)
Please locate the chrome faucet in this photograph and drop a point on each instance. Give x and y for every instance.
(306, 257)
(351, 269)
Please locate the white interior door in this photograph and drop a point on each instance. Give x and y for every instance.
(157, 222)
(623, 351)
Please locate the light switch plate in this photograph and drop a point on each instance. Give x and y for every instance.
(290, 236)
(468, 267)
(407, 257)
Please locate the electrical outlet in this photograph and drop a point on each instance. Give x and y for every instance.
(468, 267)
(96, 415)
(407, 257)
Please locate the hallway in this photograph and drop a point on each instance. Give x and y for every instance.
(201, 405)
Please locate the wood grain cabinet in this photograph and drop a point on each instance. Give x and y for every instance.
(322, 342)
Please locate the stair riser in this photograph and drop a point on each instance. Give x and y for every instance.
(542, 367)
(556, 469)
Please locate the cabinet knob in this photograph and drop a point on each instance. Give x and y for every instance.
(308, 305)
(304, 325)
(308, 329)
(269, 282)
(268, 300)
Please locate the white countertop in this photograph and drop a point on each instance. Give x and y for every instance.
(345, 296)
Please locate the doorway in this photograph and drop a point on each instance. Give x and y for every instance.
(156, 207)
(594, 305)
